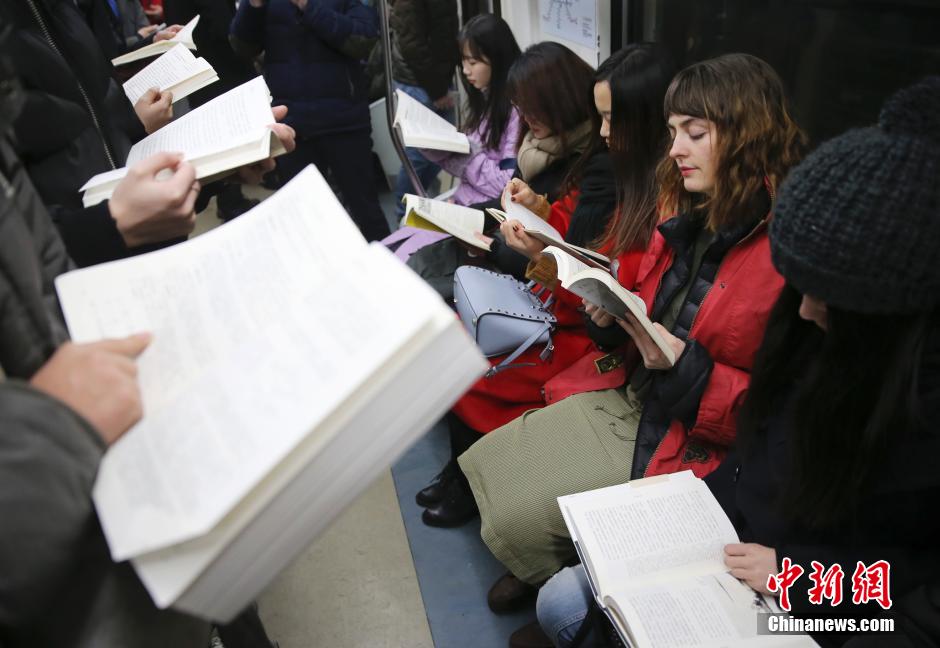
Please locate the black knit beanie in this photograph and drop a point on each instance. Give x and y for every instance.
(857, 223)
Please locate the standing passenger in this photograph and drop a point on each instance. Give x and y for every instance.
(312, 63)
(423, 61)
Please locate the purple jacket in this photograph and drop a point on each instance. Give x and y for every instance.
(483, 172)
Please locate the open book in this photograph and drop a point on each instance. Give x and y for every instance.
(183, 36)
(177, 71)
(542, 231)
(219, 136)
(440, 216)
(283, 349)
(421, 127)
(653, 553)
(599, 287)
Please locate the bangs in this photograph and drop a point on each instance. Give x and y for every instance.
(688, 95)
(473, 47)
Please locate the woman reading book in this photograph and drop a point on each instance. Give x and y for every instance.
(707, 280)
(837, 440)
(628, 91)
(487, 50)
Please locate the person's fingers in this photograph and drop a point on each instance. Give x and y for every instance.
(152, 165)
(741, 574)
(124, 364)
(736, 549)
(166, 100)
(179, 187)
(738, 562)
(130, 346)
(280, 112)
(189, 203)
(149, 96)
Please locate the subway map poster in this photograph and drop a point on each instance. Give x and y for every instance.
(572, 20)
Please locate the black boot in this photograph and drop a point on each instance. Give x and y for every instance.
(462, 436)
(433, 493)
(456, 508)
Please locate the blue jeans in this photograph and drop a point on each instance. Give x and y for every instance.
(425, 169)
(564, 601)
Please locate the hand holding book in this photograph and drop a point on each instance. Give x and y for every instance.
(652, 354)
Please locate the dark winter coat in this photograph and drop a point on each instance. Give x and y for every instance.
(312, 59)
(76, 122)
(58, 584)
(898, 522)
(425, 44)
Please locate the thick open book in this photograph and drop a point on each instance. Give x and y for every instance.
(653, 553)
(284, 347)
(177, 71)
(542, 231)
(183, 36)
(421, 127)
(440, 216)
(219, 136)
(599, 287)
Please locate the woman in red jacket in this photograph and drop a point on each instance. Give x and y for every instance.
(708, 281)
(628, 92)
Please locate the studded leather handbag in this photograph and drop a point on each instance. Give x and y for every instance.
(503, 315)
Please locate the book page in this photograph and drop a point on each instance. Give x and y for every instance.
(259, 328)
(239, 116)
(456, 220)
(709, 611)
(422, 126)
(185, 35)
(599, 287)
(637, 535)
(174, 67)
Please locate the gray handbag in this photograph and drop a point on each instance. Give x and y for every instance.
(503, 315)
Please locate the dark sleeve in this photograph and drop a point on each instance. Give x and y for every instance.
(90, 234)
(48, 460)
(350, 27)
(606, 338)
(506, 259)
(247, 31)
(680, 388)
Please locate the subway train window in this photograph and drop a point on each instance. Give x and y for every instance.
(838, 58)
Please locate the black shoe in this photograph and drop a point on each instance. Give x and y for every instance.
(455, 509)
(433, 493)
(530, 635)
(227, 212)
(509, 594)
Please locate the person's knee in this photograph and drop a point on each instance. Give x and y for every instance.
(562, 605)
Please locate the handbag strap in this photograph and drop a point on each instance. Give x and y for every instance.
(522, 348)
(538, 293)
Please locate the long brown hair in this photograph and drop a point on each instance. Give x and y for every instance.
(756, 136)
(552, 84)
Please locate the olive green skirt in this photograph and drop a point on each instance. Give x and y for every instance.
(518, 471)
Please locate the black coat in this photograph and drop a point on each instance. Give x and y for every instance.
(425, 44)
(899, 522)
(76, 122)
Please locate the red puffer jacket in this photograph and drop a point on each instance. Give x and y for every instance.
(725, 334)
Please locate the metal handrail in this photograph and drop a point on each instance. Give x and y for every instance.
(390, 101)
